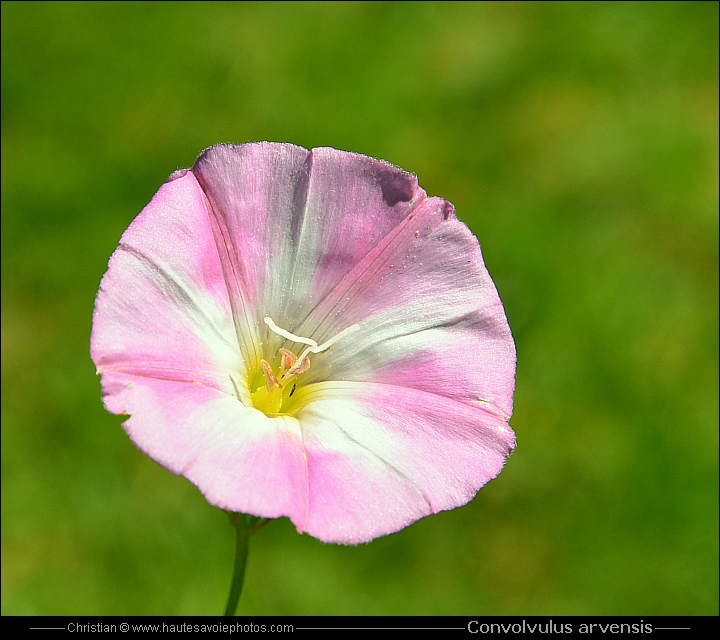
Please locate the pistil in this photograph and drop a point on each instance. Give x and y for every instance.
(269, 399)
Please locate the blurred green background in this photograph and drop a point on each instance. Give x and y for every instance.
(578, 141)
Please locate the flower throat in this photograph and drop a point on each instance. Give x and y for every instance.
(275, 396)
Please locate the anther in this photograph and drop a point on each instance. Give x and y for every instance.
(301, 366)
(289, 362)
(270, 380)
(288, 359)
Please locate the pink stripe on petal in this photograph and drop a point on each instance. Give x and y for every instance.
(428, 271)
(353, 500)
(163, 309)
(353, 203)
(291, 223)
(239, 458)
(388, 456)
(471, 360)
(256, 194)
(429, 315)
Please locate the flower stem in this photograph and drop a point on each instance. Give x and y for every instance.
(241, 554)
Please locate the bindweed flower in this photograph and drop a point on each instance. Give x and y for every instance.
(307, 334)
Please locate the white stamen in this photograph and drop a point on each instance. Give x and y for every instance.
(313, 346)
(331, 342)
(287, 334)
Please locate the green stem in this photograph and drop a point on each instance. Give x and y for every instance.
(257, 524)
(241, 554)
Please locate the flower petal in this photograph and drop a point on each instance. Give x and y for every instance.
(403, 415)
(429, 315)
(291, 223)
(472, 361)
(381, 457)
(326, 239)
(239, 458)
(162, 310)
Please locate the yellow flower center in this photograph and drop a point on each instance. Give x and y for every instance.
(273, 394)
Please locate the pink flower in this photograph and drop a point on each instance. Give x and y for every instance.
(307, 334)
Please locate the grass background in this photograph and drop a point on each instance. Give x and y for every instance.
(580, 144)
